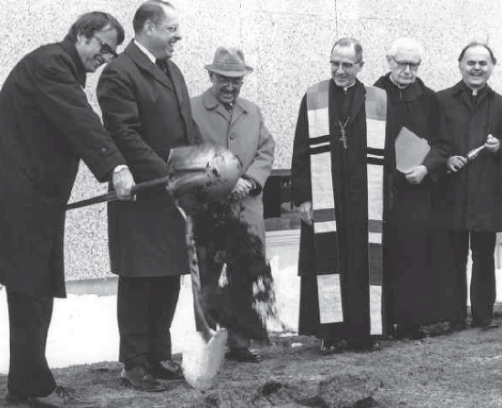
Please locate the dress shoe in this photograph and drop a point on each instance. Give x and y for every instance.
(244, 355)
(328, 347)
(59, 398)
(140, 379)
(15, 399)
(486, 324)
(166, 370)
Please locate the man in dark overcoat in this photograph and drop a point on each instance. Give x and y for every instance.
(418, 273)
(146, 108)
(47, 127)
(472, 193)
(342, 136)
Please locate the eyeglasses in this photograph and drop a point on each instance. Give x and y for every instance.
(105, 48)
(345, 65)
(225, 81)
(175, 29)
(402, 65)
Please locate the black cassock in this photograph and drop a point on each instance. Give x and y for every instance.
(346, 109)
(419, 285)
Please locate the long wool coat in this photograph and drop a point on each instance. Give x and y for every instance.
(472, 198)
(350, 182)
(418, 276)
(147, 114)
(47, 126)
(246, 136)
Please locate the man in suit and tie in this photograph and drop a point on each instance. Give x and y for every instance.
(146, 109)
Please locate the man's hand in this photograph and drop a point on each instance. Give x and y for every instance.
(242, 188)
(123, 181)
(306, 214)
(416, 174)
(455, 163)
(492, 144)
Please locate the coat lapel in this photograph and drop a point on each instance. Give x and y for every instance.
(144, 63)
(210, 102)
(237, 111)
(174, 83)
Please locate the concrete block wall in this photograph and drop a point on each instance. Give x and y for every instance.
(288, 44)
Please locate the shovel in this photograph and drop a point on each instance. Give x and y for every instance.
(196, 175)
(204, 355)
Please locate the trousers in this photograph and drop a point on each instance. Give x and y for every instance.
(483, 290)
(29, 321)
(145, 311)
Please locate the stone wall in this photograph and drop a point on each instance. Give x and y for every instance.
(287, 42)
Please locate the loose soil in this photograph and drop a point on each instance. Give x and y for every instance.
(457, 370)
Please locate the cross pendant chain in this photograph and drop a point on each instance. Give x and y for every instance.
(343, 133)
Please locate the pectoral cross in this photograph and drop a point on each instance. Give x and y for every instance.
(343, 133)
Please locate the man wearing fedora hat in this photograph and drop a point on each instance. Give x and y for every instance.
(225, 119)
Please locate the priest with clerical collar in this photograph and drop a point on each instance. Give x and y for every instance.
(418, 271)
(330, 189)
(471, 197)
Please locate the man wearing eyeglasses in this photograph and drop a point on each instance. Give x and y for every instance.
(418, 274)
(471, 195)
(330, 188)
(146, 109)
(47, 127)
(226, 119)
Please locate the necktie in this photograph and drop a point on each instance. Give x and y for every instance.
(162, 65)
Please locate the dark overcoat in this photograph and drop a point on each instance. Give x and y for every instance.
(472, 197)
(350, 181)
(418, 275)
(46, 127)
(147, 113)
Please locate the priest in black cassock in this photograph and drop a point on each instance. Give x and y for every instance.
(418, 275)
(330, 188)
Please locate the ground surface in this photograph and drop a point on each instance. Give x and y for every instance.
(459, 370)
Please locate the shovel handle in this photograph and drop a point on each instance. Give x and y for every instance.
(112, 195)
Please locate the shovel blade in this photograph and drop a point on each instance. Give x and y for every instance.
(202, 360)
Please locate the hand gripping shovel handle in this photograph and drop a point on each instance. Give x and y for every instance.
(112, 195)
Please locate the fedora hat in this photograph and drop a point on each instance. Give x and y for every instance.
(229, 62)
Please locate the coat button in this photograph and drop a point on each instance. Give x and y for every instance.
(232, 136)
(103, 150)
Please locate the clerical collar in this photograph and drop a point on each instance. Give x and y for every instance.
(150, 56)
(473, 92)
(401, 87)
(345, 88)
